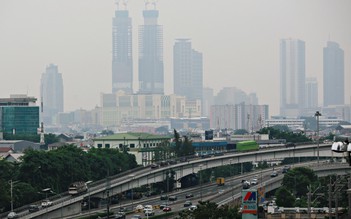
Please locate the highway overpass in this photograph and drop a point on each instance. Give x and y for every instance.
(65, 205)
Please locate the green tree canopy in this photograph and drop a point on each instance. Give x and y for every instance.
(297, 180)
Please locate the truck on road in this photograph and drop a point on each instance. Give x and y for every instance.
(220, 181)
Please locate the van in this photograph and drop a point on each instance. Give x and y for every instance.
(148, 208)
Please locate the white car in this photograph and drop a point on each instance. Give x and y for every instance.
(139, 208)
(12, 214)
(46, 203)
(148, 208)
(254, 181)
(193, 208)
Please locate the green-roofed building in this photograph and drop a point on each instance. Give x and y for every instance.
(142, 145)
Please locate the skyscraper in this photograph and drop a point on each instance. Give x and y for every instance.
(333, 74)
(51, 90)
(151, 76)
(187, 70)
(311, 93)
(122, 60)
(292, 77)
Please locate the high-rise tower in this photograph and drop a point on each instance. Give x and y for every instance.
(333, 75)
(122, 60)
(187, 70)
(311, 93)
(292, 77)
(51, 90)
(151, 76)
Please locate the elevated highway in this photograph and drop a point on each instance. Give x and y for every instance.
(66, 205)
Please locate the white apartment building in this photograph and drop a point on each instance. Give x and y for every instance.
(120, 107)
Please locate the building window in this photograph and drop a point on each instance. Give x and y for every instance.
(99, 145)
(132, 145)
(107, 145)
(120, 145)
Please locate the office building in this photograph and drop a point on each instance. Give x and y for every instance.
(51, 91)
(121, 108)
(122, 60)
(233, 95)
(19, 115)
(207, 101)
(187, 70)
(311, 93)
(151, 75)
(333, 75)
(239, 116)
(292, 77)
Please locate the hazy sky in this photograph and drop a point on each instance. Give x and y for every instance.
(239, 40)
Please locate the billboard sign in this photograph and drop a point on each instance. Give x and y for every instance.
(249, 204)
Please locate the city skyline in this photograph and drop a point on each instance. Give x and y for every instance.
(239, 41)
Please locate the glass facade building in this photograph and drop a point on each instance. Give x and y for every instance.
(19, 119)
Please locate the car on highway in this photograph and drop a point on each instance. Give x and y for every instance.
(246, 184)
(274, 174)
(139, 208)
(290, 144)
(193, 208)
(149, 213)
(172, 198)
(46, 203)
(164, 197)
(12, 214)
(33, 208)
(187, 203)
(167, 209)
(136, 216)
(163, 205)
(254, 181)
(147, 208)
(285, 169)
(189, 195)
(120, 215)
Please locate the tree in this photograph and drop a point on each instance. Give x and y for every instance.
(284, 197)
(182, 147)
(207, 210)
(297, 180)
(107, 132)
(240, 132)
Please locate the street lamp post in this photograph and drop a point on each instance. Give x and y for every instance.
(317, 114)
